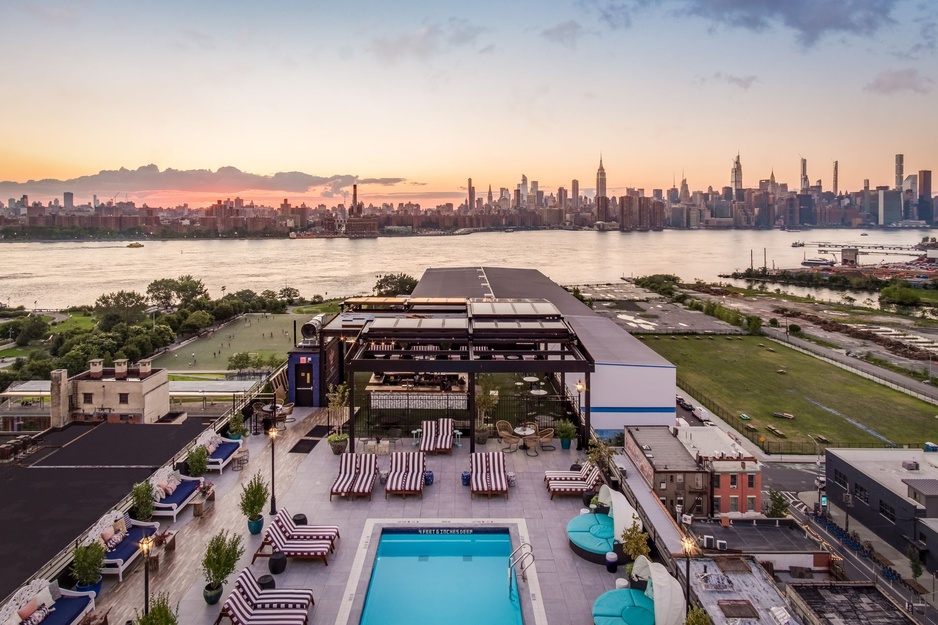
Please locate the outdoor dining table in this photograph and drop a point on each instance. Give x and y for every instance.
(523, 431)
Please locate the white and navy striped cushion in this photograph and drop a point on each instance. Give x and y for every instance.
(428, 435)
(242, 613)
(478, 467)
(316, 532)
(574, 476)
(367, 474)
(347, 474)
(406, 472)
(498, 475)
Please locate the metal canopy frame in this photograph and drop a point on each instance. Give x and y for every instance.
(448, 335)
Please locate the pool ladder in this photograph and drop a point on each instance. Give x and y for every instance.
(524, 559)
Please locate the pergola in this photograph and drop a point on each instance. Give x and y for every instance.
(456, 336)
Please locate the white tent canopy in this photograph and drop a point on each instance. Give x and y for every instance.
(623, 514)
(664, 590)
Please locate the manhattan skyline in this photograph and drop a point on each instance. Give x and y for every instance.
(410, 101)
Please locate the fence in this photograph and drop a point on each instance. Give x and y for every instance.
(778, 447)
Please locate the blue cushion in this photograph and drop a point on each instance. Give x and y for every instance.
(131, 543)
(182, 492)
(224, 450)
(593, 532)
(67, 610)
(624, 606)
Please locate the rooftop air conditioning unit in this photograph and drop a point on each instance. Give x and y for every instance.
(646, 447)
(910, 465)
(708, 542)
(721, 545)
(780, 615)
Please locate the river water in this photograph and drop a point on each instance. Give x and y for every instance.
(61, 274)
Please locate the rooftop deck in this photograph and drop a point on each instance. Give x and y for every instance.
(561, 585)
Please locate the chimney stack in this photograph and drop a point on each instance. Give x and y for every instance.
(145, 367)
(96, 366)
(120, 368)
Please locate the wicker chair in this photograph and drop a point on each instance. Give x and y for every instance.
(545, 439)
(507, 436)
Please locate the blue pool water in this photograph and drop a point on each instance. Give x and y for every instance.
(452, 576)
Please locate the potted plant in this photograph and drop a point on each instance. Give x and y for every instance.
(338, 441)
(253, 499)
(161, 613)
(634, 543)
(87, 561)
(142, 497)
(236, 428)
(566, 432)
(600, 508)
(218, 563)
(198, 461)
(337, 398)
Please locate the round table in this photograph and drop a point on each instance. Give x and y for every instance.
(538, 392)
(531, 379)
(522, 432)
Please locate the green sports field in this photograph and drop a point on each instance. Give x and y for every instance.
(741, 376)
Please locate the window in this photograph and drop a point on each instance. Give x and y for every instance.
(751, 504)
(87, 398)
(751, 480)
(861, 493)
(123, 398)
(717, 505)
(672, 478)
(664, 501)
(680, 502)
(840, 479)
(662, 485)
(698, 480)
(716, 480)
(734, 504)
(733, 477)
(698, 506)
(887, 511)
(680, 478)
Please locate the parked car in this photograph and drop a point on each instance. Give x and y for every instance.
(701, 413)
(820, 482)
(683, 403)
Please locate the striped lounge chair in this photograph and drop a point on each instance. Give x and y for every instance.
(428, 436)
(292, 547)
(575, 487)
(275, 598)
(366, 475)
(347, 473)
(488, 474)
(444, 435)
(405, 475)
(305, 532)
(240, 611)
(568, 476)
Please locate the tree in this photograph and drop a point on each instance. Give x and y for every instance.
(123, 306)
(698, 616)
(163, 292)
(914, 562)
(635, 540)
(188, 289)
(754, 324)
(196, 321)
(239, 361)
(899, 295)
(289, 294)
(778, 505)
(30, 329)
(391, 284)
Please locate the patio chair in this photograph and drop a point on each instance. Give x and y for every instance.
(265, 599)
(502, 427)
(284, 414)
(405, 474)
(303, 549)
(240, 611)
(394, 436)
(545, 439)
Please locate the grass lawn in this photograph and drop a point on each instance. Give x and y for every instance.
(84, 322)
(254, 333)
(15, 352)
(196, 378)
(742, 377)
(328, 306)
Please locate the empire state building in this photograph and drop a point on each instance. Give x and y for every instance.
(602, 200)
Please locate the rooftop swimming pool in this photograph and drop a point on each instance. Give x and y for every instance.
(457, 576)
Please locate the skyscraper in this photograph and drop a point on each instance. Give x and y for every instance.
(524, 190)
(926, 210)
(575, 190)
(736, 175)
(472, 195)
(68, 199)
(900, 170)
(602, 200)
(534, 193)
(804, 176)
(490, 195)
(835, 178)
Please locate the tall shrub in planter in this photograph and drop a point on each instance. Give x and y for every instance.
(198, 461)
(253, 498)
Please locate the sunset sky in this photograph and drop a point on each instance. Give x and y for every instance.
(412, 98)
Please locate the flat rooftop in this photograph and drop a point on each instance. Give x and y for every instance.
(665, 452)
(885, 466)
(736, 587)
(848, 603)
(76, 475)
(755, 538)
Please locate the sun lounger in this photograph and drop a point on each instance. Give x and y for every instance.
(259, 598)
(405, 474)
(569, 476)
(487, 473)
(241, 612)
(347, 474)
(305, 532)
(561, 487)
(292, 548)
(444, 435)
(428, 436)
(366, 475)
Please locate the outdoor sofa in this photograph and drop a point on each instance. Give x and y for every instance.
(70, 606)
(184, 491)
(111, 527)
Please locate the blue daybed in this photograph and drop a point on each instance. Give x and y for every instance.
(223, 452)
(624, 606)
(70, 606)
(117, 559)
(172, 505)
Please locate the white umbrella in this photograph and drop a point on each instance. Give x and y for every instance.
(664, 590)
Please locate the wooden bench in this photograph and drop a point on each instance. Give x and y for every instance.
(751, 427)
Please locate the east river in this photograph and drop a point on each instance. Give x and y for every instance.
(61, 274)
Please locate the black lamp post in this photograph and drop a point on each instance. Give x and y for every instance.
(146, 545)
(688, 545)
(272, 432)
(580, 387)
